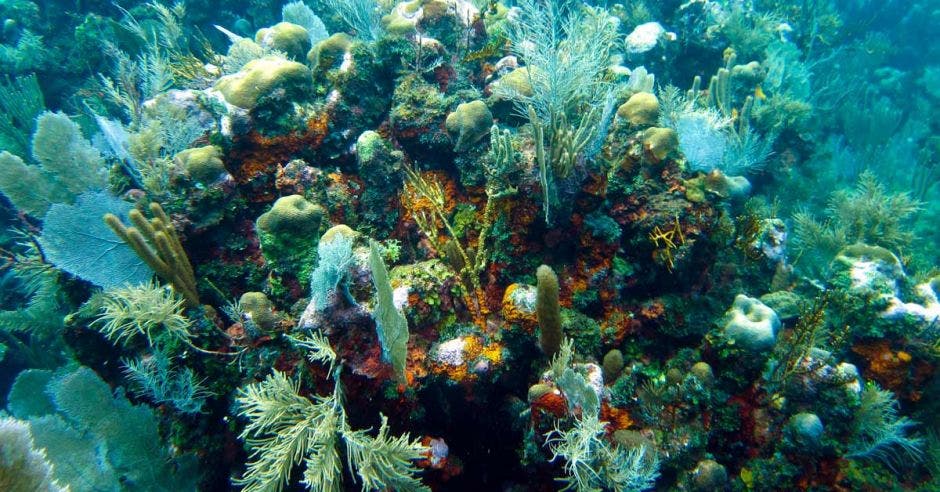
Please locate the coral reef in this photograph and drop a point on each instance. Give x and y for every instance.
(461, 245)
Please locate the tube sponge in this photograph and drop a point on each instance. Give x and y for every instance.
(548, 311)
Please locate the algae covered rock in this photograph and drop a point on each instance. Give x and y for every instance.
(642, 109)
(266, 78)
(709, 475)
(380, 167)
(289, 38)
(469, 123)
(202, 164)
(751, 324)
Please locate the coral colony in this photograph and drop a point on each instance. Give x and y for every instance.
(514, 245)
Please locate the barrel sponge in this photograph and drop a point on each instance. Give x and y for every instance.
(262, 78)
(469, 123)
(291, 215)
(642, 109)
(548, 311)
(289, 38)
(751, 324)
(202, 164)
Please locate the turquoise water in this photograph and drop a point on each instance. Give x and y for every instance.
(468, 245)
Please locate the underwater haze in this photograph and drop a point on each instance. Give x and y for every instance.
(469, 245)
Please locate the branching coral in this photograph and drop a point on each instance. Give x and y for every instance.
(591, 463)
(147, 310)
(156, 242)
(285, 428)
(868, 214)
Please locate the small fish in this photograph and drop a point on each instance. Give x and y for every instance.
(759, 93)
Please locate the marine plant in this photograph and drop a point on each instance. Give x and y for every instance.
(559, 42)
(590, 462)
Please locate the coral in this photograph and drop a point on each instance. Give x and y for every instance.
(470, 122)
(23, 468)
(155, 378)
(202, 164)
(391, 325)
(612, 364)
(67, 166)
(100, 441)
(21, 101)
(519, 303)
(660, 142)
(361, 16)
(867, 214)
(265, 79)
(146, 309)
(300, 14)
(288, 232)
(258, 308)
(642, 109)
(709, 475)
(806, 429)
(285, 428)
(334, 253)
(548, 311)
(880, 433)
(288, 38)
(751, 324)
(331, 52)
(75, 240)
(157, 243)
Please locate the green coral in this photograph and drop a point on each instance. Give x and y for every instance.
(23, 467)
(288, 233)
(148, 309)
(98, 441)
(867, 214)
